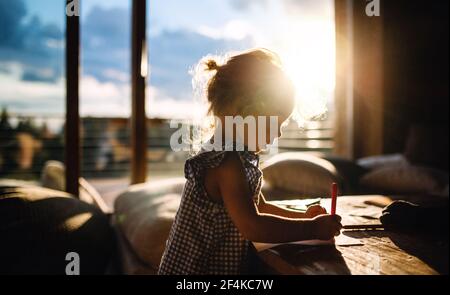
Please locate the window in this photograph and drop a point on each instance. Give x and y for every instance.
(32, 100)
(179, 33)
(182, 32)
(105, 94)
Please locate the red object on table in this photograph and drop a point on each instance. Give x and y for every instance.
(333, 197)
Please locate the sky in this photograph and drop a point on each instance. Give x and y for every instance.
(179, 33)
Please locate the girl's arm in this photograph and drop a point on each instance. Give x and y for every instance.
(270, 208)
(268, 228)
(265, 207)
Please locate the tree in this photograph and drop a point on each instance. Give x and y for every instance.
(4, 121)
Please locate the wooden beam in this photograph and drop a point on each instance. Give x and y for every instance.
(343, 135)
(359, 81)
(368, 90)
(72, 125)
(139, 65)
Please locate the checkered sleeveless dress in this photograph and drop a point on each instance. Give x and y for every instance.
(203, 238)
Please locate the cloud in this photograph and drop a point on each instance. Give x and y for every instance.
(159, 105)
(96, 98)
(39, 75)
(26, 40)
(10, 22)
(247, 4)
(303, 8)
(104, 99)
(31, 97)
(116, 75)
(106, 48)
(173, 53)
(32, 63)
(309, 8)
(101, 99)
(107, 28)
(106, 44)
(233, 30)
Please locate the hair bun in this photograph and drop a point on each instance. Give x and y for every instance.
(211, 65)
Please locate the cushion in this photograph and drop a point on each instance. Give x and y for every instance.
(144, 214)
(301, 174)
(39, 226)
(407, 179)
(53, 177)
(381, 161)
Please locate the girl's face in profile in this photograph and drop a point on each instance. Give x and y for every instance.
(259, 129)
(269, 127)
(271, 135)
(254, 131)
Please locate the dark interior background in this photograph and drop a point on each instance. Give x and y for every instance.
(415, 72)
(400, 84)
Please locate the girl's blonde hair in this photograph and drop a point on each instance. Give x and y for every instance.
(248, 83)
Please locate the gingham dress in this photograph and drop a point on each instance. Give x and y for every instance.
(203, 238)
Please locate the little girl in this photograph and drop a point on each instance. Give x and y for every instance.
(222, 209)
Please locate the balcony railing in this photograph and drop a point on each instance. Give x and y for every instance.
(106, 149)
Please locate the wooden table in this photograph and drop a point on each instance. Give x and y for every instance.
(383, 252)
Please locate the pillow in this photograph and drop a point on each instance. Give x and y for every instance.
(376, 162)
(407, 179)
(145, 213)
(53, 175)
(301, 174)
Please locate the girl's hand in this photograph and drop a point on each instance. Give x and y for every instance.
(314, 211)
(327, 226)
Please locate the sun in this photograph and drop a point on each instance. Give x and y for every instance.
(308, 51)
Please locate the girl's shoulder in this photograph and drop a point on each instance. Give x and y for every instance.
(213, 159)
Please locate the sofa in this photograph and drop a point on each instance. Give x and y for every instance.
(42, 228)
(39, 228)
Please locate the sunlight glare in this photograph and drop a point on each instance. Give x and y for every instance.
(308, 57)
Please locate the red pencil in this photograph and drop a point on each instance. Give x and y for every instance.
(334, 193)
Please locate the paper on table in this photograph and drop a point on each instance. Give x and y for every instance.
(299, 205)
(341, 240)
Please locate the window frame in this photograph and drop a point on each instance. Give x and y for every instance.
(72, 151)
(139, 64)
(138, 115)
